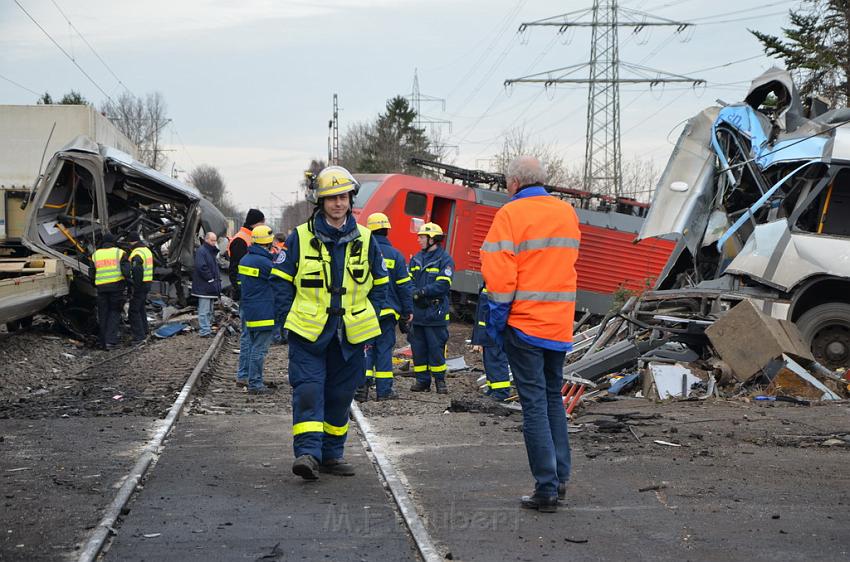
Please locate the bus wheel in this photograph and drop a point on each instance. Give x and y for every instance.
(826, 328)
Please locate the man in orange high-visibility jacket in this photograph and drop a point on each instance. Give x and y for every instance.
(528, 261)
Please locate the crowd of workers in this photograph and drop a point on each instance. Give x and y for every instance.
(338, 290)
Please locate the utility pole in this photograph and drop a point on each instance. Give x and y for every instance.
(416, 97)
(333, 136)
(603, 156)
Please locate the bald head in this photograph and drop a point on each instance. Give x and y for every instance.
(210, 238)
(523, 171)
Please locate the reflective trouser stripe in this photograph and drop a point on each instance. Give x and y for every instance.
(259, 323)
(383, 374)
(497, 385)
(335, 430)
(438, 368)
(370, 373)
(482, 323)
(307, 427)
(420, 368)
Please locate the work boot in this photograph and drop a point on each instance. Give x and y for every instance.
(540, 503)
(562, 491)
(441, 387)
(337, 467)
(391, 396)
(362, 393)
(261, 391)
(241, 383)
(307, 467)
(420, 387)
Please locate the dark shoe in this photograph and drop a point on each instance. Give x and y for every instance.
(540, 503)
(241, 383)
(420, 387)
(390, 396)
(337, 467)
(206, 335)
(261, 390)
(307, 467)
(362, 393)
(441, 387)
(562, 491)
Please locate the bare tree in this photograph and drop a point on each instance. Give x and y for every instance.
(207, 179)
(517, 143)
(142, 120)
(639, 179)
(296, 213)
(354, 145)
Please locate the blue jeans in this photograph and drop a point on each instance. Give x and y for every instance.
(244, 352)
(538, 377)
(205, 314)
(259, 342)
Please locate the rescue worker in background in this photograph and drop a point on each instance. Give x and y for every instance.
(262, 303)
(111, 269)
(238, 247)
(398, 308)
(141, 277)
(528, 261)
(336, 287)
(278, 250)
(206, 282)
(496, 368)
(432, 270)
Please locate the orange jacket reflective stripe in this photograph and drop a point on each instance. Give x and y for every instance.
(243, 234)
(528, 259)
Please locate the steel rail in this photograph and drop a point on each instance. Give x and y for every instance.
(149, 454)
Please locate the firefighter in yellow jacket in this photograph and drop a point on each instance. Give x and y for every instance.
(336, 288)
(111, 270)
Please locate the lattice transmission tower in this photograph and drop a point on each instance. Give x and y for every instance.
(603, 156)
(416, 97)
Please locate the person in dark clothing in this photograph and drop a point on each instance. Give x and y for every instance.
(110, 271)
(141, 277)
(206, 282)
(238, 247)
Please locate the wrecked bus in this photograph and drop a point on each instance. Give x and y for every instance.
(758, 193)
(88, 188)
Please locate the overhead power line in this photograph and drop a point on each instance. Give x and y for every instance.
(21, 86)
(64, 52)
(92, 49)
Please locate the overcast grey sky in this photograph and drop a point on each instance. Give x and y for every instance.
(249, 84)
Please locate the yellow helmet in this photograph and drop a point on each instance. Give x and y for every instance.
(262, 234)
(334, 180)
(377, 221)
(430, 229)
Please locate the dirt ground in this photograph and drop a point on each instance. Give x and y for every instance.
(69, 434)
(66, 440)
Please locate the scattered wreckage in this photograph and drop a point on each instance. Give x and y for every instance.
(755, 299)
(88, 189)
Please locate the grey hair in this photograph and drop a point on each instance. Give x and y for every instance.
(207, 236)
(527, 170)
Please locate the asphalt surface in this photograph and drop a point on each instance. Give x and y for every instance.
(747, 483)
(223, 488)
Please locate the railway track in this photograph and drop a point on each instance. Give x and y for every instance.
(210, 392)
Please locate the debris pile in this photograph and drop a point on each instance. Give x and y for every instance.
(673, 350)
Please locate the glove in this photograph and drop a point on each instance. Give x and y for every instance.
(403, 326)
(419, 298)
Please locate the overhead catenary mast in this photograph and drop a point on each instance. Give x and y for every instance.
(603, 155)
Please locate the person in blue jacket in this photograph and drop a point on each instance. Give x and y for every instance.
(496, 368)
(432, 270)
(261, 285)
(336, 287)
(398, 308)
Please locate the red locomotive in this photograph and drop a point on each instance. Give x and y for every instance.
(608, 258)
